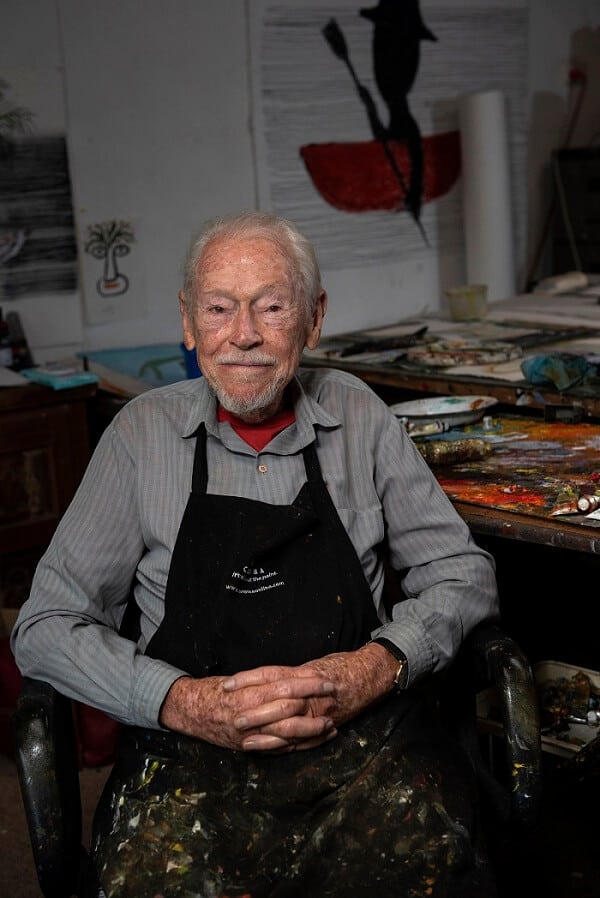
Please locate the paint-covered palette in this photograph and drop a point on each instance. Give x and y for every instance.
(452, 352)
(530, 472)
(453, 410)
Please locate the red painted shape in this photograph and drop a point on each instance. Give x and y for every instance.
(357, 177)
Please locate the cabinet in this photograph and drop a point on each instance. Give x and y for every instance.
(44, 449)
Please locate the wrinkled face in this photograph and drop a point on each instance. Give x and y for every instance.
(248, 329)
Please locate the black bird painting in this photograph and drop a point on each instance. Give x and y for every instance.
(398, 169)
(397, 35)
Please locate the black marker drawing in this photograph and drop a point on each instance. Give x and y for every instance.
(109, 241)
(397, 35)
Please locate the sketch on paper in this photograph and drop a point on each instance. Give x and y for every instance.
(108, 241)
(111, 273)
(318, 122)
(38, 252)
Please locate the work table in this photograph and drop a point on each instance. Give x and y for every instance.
(533, 324)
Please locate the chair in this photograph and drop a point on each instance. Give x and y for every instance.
(49, 778)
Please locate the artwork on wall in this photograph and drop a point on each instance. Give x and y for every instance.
(357, 131)
(38, 252)
(388, 171)
(112, 277)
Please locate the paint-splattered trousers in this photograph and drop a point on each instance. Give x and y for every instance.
(387, 808)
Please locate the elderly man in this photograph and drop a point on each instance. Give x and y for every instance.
(217, 585)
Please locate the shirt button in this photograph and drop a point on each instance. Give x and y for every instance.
(262, 469)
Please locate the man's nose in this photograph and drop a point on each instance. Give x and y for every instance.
(245, 330)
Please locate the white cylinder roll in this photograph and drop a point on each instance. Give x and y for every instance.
(489, 242)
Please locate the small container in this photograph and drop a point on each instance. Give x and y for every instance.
(468, 302)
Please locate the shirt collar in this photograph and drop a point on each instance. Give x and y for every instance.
(309, 413)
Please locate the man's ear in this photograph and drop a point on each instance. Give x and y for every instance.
(314, 334)
(189, 340)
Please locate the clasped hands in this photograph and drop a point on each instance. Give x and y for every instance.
(279, 708)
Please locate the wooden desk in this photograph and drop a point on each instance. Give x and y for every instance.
(547, 566)
(537, 324)
(554, 533)
(392, 379)
(515, 492)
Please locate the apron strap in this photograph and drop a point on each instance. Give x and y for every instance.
(200, 472)
(311, 464)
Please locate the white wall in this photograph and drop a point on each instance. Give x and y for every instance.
(155, 99)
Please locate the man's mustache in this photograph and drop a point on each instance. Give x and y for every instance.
(247, 358)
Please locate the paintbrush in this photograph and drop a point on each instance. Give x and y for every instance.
(398, 342)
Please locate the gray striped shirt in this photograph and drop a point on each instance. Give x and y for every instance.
(121, 527)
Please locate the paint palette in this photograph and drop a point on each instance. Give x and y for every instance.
(450, 353)
(453, 410)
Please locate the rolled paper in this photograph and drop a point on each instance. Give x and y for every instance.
(487, 206)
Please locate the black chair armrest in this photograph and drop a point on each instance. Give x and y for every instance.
(500, 663)
(49, 777)
(489, 658)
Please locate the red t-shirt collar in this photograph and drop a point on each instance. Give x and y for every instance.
(258, 435)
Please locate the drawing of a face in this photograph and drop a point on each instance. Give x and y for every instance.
(109, 241)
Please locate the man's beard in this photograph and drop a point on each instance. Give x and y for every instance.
(261, 398)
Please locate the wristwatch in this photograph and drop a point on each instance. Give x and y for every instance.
(401, 675)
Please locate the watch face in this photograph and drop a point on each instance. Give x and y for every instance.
(400, 678)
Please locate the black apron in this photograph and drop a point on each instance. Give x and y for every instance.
(252, 583)
(386, 807)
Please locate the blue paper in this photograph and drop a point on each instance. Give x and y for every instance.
(156, 364)
(59, 381)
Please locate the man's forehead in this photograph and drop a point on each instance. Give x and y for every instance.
(225, 251)
(249, 262)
